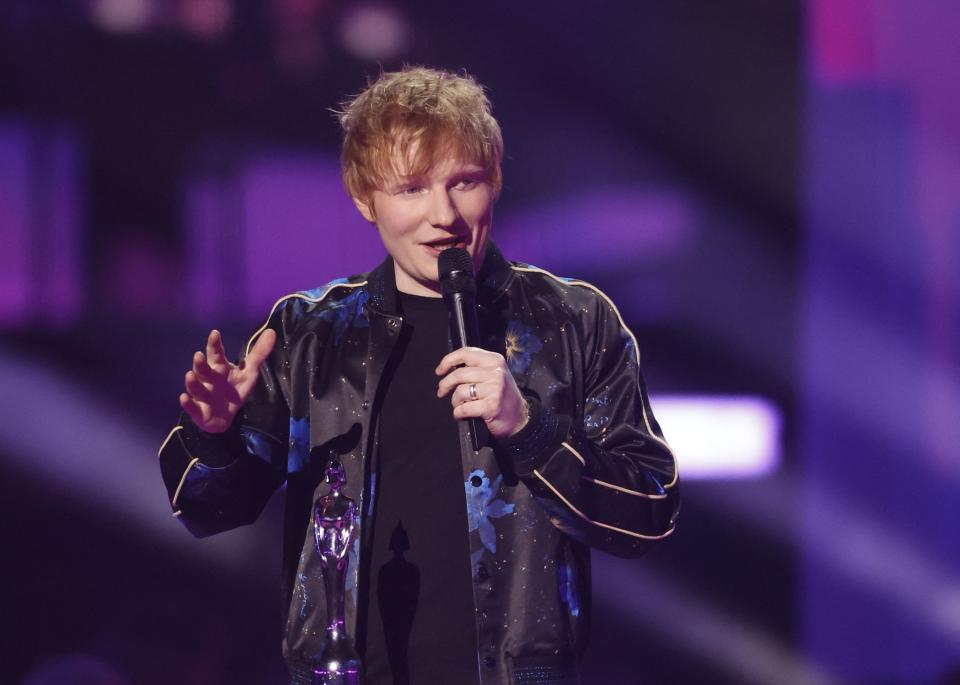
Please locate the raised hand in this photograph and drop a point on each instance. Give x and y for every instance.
(216, 389)
(494, 397)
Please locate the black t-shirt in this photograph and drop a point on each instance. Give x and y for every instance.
(420, 625)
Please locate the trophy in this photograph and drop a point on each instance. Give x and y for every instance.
(334, 519)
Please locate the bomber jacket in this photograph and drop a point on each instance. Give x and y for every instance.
(590, 468)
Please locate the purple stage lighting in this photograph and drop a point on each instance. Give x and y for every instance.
(40, 210)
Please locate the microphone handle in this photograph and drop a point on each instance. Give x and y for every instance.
(465, 332)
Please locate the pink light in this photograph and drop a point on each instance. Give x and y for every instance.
(843, 41)
(721, 437)
(206, 18)
(122, 16)
(374, 32)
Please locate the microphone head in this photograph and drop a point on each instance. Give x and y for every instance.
(456, 271)
(454, 259)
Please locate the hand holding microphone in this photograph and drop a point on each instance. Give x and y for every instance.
(479, 382)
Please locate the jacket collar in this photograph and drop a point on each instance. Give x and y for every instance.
(492, 281)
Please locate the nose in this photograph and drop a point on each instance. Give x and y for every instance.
(442, 212)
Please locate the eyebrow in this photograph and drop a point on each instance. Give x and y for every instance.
(404, 179)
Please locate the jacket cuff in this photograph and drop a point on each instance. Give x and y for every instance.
(215, 450)
(533, 445)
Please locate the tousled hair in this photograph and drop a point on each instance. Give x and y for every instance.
(415, 117)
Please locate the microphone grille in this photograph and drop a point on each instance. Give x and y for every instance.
(456, 271)
(454, 259)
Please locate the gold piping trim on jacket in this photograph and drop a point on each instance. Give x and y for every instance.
(177, 513)
(167, 439)
(301, 296)
(636, 351)
(183, 479)
(597, 523)
(575, 453)
(624, 490)
(604, 483)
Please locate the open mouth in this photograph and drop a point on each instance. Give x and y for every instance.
(446, 243)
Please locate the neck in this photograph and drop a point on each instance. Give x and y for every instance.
(407, 285)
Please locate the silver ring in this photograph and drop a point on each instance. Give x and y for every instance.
(472, 389)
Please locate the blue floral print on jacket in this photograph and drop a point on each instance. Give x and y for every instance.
(317, 293)
(256, 443)
(631, 348)
(568, 588)
(481, 506)
(347, 313)
(298, 452)
(521, 345)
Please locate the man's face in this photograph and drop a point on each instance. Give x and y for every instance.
(449, 205)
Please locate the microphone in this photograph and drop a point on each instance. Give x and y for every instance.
(459, 289)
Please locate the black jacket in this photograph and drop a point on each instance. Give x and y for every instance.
(591, 468)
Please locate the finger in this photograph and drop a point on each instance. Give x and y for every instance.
(192, 409)
(462, 393)
(195, 388)
(469, 356)
(261, 350)
(250, 366)
(216, 355)
(484, 408)
(466, 375)
(202, 369)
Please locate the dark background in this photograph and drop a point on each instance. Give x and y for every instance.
(800, 158)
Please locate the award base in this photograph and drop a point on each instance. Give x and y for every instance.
(349, 673)
(339, 664)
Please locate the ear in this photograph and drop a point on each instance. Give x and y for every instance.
(365, 210)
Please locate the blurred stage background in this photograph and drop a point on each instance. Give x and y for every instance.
(769, 190)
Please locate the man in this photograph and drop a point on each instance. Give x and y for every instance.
(469, 567)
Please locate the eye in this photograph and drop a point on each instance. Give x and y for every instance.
(409, 190)
(467, 183)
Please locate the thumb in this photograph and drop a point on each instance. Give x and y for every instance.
(260, 350)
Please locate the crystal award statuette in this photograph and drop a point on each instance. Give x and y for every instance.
(334, 521)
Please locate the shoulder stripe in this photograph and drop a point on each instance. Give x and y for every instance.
(598, 523)
(183, 479)
(299, 296)
(574, 452)
(168, 438)
(636, 352)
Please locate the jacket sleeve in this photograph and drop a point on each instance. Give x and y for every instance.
(605, 476)
(216, 482)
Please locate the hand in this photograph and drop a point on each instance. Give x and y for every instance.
(497, 399)
(216, 389)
